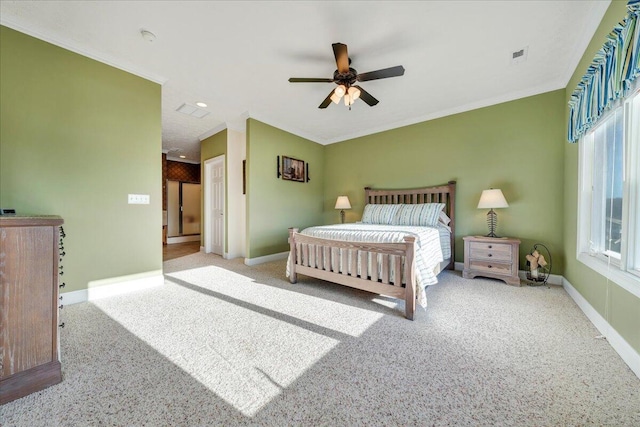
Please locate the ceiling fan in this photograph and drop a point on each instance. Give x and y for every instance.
(345, 77)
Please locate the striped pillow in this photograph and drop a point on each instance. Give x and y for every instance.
(426, 214)
(379, 214)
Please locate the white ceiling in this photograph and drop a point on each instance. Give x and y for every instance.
(237, 56)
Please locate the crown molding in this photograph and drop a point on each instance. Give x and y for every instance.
(210, 133)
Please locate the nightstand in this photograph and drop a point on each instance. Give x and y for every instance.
(493, 257)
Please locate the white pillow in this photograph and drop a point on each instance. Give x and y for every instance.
(379, 214)
(444, 218)
(426, 214)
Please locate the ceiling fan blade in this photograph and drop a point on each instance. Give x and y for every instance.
(309, 80)
(381, 74)
(326, 101)
(366, 97)
(342, 57)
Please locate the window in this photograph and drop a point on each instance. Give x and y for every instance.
(609, 199)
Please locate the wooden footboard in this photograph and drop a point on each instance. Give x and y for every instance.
(357, 265)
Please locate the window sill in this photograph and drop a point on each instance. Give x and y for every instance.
(627, 281)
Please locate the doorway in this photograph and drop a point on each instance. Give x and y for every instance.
(183, 211)
(214, 205)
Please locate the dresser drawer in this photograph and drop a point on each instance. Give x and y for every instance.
(491, 267)
(499, 253)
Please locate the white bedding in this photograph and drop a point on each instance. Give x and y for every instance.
(433, 245)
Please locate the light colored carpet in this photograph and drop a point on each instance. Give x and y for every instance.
(226, 344)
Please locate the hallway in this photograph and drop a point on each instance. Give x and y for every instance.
(177, 250)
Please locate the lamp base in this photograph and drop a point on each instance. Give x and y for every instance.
(492, 235)
(342, 216)
(492, 223)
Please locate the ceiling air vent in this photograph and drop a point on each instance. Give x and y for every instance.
(192, 110)
(519, 55)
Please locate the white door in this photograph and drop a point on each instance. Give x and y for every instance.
(214, 175)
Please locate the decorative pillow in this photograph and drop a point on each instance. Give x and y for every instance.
(379, 214)
(426, 215)
(444, 218)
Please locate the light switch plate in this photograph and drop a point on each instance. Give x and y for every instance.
(138, 199)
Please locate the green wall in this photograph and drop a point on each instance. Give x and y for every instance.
(214, 146)
(274, 205)
(77, 136)
(515, 146)
(624, 307)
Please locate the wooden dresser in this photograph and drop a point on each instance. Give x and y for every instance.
(491, 257)
(29, 255)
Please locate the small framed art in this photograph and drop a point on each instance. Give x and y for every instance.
(293, 169)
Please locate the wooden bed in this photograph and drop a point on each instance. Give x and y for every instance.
(308, 253)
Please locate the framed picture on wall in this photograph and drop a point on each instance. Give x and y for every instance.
(293, 169)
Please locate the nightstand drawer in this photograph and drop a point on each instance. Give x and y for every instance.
(491, 267)
(485, 250)
(491, 254)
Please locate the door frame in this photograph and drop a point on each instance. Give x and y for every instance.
(209, 164)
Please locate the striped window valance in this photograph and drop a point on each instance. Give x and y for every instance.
(610, 75)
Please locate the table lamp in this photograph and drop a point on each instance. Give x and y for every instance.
(492, 199)
(342, 203)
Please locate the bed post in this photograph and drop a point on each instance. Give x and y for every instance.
(410, 279)
(452, 215)
(293, 277)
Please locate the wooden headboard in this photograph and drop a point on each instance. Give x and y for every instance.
(445, 193)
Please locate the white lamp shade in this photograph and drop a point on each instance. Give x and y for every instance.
(354, 92)
(491, 199)
(343, 203)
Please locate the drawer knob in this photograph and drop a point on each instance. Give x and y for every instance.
(490, 266)
(490, 254)
(490, 246)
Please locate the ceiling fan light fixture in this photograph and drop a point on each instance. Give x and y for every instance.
(340, 91)
(348, 100)
(335, 98)
(354, 93)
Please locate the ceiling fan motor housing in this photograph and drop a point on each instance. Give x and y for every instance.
(347, 79)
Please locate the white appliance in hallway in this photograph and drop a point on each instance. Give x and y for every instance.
(183, 211)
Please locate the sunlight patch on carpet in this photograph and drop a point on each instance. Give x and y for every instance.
(245, 341)
(344, 318)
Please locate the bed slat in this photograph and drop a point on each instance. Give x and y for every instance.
(385, 269)
(353, 267)
(363, 256)
(374, 267)
(398, 269)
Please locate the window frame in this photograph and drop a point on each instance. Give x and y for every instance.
(624, 271)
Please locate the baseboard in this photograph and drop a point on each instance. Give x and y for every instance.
(266, 258)
(183, 239)
(619, 344)
(115, 286)
(554, 279)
